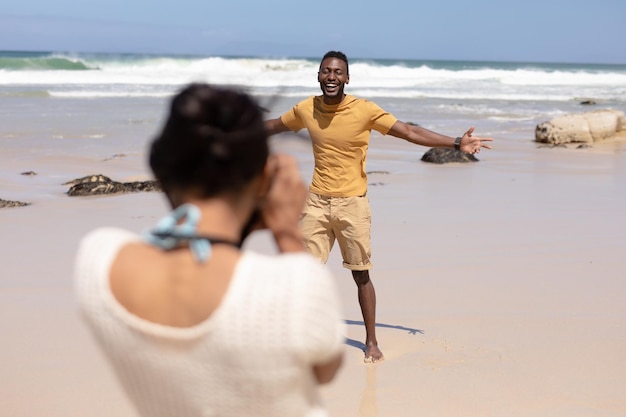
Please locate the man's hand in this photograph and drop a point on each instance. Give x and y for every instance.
(472, 144)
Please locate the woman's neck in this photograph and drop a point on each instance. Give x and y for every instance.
(220, 218)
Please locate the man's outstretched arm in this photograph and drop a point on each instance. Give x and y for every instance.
(274, 126)
(421, 136)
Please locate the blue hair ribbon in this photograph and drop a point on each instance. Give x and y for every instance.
(177, 227)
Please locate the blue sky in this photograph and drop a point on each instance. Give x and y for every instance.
(581, 31)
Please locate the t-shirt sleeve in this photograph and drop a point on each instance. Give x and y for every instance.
(382, 121)
(320, 327)
(292, 118)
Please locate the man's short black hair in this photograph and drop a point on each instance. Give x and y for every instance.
(337, 54)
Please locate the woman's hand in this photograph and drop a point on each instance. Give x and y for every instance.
(284, 202)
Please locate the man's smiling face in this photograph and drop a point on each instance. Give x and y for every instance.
(333, 76)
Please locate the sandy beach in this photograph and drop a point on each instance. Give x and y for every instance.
(500, 283)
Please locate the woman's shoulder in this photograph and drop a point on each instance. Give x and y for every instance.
(95, 255)
(107, 237)
(98, 248)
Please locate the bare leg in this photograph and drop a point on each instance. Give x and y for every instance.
(367, 300)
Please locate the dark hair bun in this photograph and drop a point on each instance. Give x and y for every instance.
(214, 140)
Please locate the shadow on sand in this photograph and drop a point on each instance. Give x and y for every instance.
(361, 345)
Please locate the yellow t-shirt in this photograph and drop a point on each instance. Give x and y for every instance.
(340, 134)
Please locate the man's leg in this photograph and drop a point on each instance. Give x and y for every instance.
(367, 301)
(352, 224)
(316, 229)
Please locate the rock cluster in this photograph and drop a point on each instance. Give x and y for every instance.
(100, 184)
(9, 203)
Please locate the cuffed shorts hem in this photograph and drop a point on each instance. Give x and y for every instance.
(362, 267)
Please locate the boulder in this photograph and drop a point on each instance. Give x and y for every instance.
(447, 155)
(589, 127)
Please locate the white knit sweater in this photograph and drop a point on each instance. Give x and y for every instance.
(251, 357)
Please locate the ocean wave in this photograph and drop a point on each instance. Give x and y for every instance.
(110, 94)
(25, 94)
(127, 75)
(291, 72)
(49, 63)
(95, 91)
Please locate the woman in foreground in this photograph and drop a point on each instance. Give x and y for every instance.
(192, 324)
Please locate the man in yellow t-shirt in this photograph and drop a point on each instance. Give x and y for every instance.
(337, 207)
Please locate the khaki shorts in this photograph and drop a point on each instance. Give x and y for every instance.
(347, 219)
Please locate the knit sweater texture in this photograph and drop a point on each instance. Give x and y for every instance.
(252, 357)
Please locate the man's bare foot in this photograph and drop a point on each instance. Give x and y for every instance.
(373, 354)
